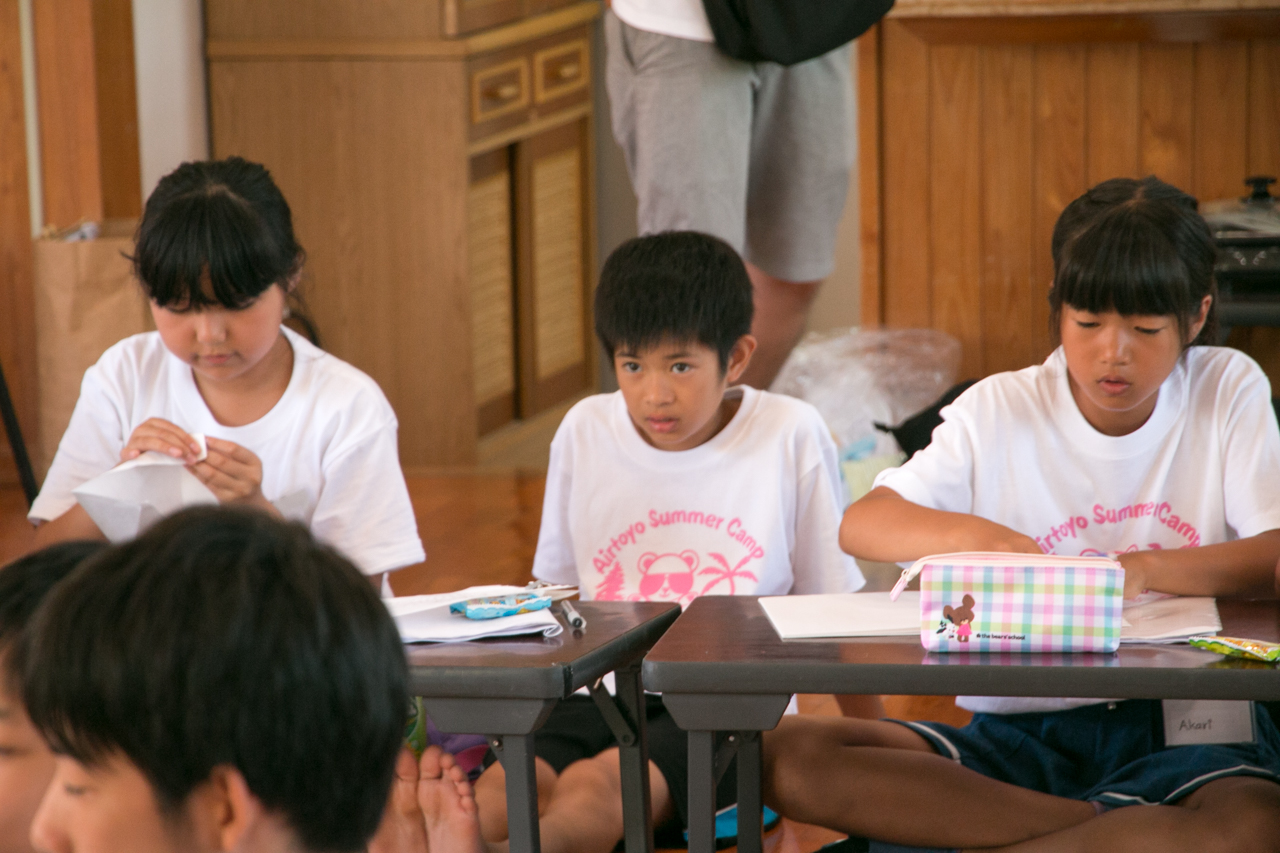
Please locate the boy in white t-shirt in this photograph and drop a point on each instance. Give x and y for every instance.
(675, 486)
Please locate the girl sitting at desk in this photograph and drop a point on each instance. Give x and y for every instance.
(1134, 439)
(291, 429)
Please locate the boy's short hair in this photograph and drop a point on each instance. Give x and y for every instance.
(677, 285)
(24, 583)
(222, 636)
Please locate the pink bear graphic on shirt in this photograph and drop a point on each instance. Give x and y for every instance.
(667, 577)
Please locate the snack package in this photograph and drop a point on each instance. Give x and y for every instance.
(1237, 647)
(501, 605)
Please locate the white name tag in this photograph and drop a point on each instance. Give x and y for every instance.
(1191, 721)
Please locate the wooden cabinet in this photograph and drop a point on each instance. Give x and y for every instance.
(438, 160)
(979, 121)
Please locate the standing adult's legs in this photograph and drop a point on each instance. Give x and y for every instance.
(802, 149)
(782, 310)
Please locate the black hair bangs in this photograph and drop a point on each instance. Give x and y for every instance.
(1136, 247)
(207, 249)
(680, 286)
(1119, 265)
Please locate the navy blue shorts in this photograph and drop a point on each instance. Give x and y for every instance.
(1112, 753)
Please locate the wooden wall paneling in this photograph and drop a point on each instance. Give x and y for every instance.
(870, 175)
(17, 313)
(117, 96)
(382, 227)
(955, 210)
(88, 110)
(1185, 26)
(905, 188)
(68, 111)
(1112, 110)
(1264, 108)
(1168, 113)
(1059, 168)
(1007, 233)
(1221, 142)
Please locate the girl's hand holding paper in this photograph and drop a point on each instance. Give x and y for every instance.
(161, 436)
(233, 473)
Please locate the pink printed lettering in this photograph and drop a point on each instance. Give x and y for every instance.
(739, 534)
(680, 516)
(605, 557)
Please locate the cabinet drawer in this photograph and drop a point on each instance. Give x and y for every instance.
(560, 70)
(468, 16)
(499, 90)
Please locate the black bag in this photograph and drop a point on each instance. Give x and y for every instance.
(789, 31)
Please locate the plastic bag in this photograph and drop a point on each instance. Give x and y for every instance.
(856, 377)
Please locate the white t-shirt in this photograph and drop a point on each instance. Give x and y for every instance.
(685, 19)
(1015, 449)
(328, 447)
(754, 511)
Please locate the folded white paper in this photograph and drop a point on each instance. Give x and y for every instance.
(1157, 618)
(426, 618)
(848, 614)
(132, 496)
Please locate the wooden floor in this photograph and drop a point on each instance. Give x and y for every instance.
(482, 527)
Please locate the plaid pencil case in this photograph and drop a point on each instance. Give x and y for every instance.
(982, 602)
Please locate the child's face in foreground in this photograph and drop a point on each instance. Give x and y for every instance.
(674, 391)
(105, 809)
(221, 344)
(1116, 363)
(25, 768)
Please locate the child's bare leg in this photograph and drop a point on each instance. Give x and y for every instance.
(491, 797)
(448, 805)
(583, 811)
(1233, 815)
(882, 780)
(402, 829)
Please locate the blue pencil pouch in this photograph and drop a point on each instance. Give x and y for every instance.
(500, 605)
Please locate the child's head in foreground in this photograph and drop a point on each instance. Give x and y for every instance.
(673, 311)
(216, 239)
(25, 762)
(223, 681)
(1133, 288)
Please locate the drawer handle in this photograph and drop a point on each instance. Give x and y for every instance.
(568, 71)
(504, 92)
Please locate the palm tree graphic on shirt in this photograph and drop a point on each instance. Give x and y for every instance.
(724, 573)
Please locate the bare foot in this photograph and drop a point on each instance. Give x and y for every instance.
(402, 829)
(448, 804)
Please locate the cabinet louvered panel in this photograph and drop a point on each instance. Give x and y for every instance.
(492, 321)
(557, 262)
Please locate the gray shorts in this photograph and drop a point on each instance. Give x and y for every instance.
(757, 154)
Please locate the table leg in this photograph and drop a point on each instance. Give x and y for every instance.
(698, 712)
(516, 754)
(634, 765)
(702, 792)
(750, 802)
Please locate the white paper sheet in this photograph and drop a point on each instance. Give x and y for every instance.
(132, 496)
(848, 614)
(1157, 618)
(426, 618)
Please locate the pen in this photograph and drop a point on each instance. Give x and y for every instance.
(572, 616)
